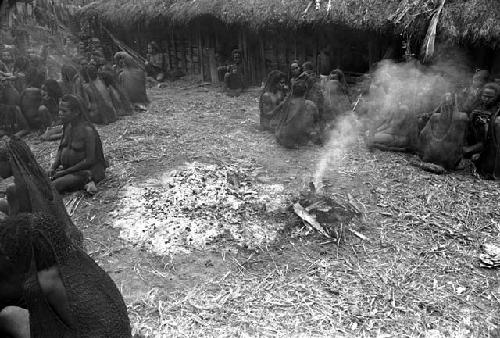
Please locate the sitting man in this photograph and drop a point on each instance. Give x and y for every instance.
(442, 139)
(63, 291)
(485, 133)
(154, 62)
(272, 95)
(299, 121)
(79, 162)
(295, 71)
(234, 82)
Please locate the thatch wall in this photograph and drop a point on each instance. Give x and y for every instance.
(470, 21)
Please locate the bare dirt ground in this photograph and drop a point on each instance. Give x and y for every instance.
(417, 275)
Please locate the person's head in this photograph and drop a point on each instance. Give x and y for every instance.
(7, 57)
(490, 94)
(70, 109)
(480, 78)
(336, 74)
(51, 89)
(276, 81)
(236, 54)
(153, 47)
(233, 69)
(448, 99)
(307, 66)
(68, 73)
(299, 89)
(295, 69)
(92, 70)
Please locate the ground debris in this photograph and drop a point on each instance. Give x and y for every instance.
(196, 206)
(490, 256)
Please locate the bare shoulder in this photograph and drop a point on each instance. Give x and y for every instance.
(311, 105)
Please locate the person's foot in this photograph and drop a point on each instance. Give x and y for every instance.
(90, 187)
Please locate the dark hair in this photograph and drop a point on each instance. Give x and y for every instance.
(73, 103)
(53, 89)
(307, 66)
(68, 72)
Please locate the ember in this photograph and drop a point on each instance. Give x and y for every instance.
(197, 206)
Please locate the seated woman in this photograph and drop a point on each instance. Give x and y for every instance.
(132, 80)
(337, 101)
(272, 95)
(484, 134)
(101, 106)
(443, 137)
(79, 161)
(64, 291)
(30, 190)
(67, 83)
(299, 121)
(119, 99)
(31, 100)
(11, 118)
(395, 130)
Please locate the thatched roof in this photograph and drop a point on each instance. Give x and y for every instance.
(461, 20)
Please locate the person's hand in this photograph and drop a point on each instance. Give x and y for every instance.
(58, 174)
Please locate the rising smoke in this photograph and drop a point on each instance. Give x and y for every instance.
(394, 88)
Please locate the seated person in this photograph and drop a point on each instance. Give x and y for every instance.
(12, 121)
(337, 101)
(101, 106)
(63, 291)
(471, 96)
(233, 81)
(79, 161)
(154, 62)
(443, 137)
(299, 122)
(314, 91)
(119, 99)
(31, 100)
(30, 190)
(395, 130)
(485, 133)
(295, 71)
(272, 95)
(67, 83)
(132, 80)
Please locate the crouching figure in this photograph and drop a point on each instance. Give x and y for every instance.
(64, 291)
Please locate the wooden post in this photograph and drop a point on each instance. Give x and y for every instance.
(200, 55)
(263, 70)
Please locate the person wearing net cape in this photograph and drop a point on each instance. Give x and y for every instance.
(62, 288)
(27, 187)
(79, 162)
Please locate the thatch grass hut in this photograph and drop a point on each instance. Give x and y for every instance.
(197, 35)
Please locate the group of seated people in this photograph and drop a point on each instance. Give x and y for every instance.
(301, 108)
(465, 124)
(441, 129)
(92, 91)
(49, 285)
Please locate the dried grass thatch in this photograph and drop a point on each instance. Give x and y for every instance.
(462, 20)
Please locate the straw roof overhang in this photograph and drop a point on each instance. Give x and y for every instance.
(471, 21)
